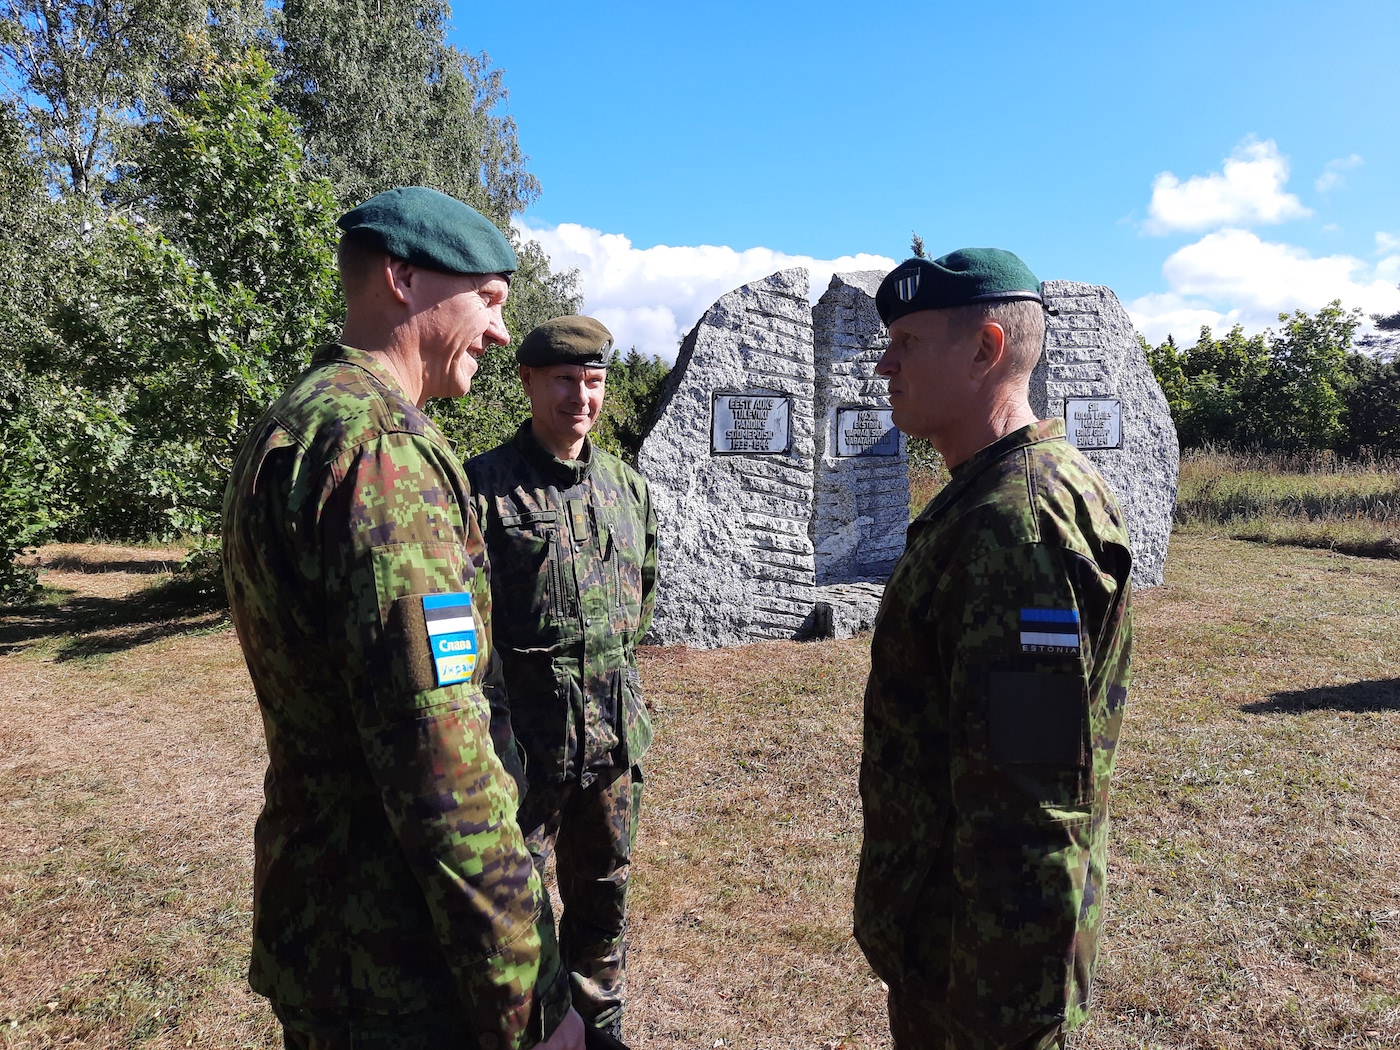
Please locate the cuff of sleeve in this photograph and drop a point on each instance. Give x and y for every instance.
(552, 998)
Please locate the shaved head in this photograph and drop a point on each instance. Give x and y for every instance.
(357, 263)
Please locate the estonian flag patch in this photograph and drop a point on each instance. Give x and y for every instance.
(451, 636)
(1049, 631)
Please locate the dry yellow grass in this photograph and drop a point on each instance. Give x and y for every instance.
(1254, 894)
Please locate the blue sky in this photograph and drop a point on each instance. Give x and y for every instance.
(1210, 162)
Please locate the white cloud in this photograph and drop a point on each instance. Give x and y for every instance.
(1332, 177)
(1248, 191)
(651, 297)
(1387, 242)
(1232, 276)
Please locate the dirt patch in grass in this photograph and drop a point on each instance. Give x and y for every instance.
(1254, 896)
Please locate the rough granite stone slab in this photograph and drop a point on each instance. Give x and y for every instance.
(719, 584)
(1143, 473)
(862, 502)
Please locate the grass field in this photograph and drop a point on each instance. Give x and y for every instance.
(1308, 501)
(1254, 891)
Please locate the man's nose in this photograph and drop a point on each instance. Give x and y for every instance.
(886, 366)
(496, 332)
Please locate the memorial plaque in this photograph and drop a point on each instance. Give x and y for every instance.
(1094, 422)
(750, 424)
(866, 432)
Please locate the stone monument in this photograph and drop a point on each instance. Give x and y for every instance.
(862, 466)
(1095, 374)
(782, 490)
(729, 462)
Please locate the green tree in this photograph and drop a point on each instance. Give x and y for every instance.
(634, 389)
(207, 298)
(82, 73)
(1371, 416)
(1307, 380)
(385, 101)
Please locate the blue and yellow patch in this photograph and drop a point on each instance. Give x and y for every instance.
(451, 636)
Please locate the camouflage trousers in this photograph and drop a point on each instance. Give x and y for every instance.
(590, 831)
(913, 1026)
(435, 1030)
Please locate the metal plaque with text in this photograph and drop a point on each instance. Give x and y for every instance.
(751, 424)
(1094, 422)
(866, 432)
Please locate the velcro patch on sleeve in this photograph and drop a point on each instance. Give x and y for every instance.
(452, 638)
(1036, 719)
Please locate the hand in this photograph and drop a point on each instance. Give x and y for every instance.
(569, 1034)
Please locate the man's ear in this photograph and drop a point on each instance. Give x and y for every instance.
(991, 349)
(525, 377)
(398, 275)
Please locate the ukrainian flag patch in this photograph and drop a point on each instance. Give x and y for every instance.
(451, 636)
(1049, 630)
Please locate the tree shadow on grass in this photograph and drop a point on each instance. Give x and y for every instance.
(1382, 694)
(92, 626)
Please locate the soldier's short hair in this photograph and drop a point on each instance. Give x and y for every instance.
(356, 262)
(1023, 321)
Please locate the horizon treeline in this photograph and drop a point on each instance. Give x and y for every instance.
(170, 176)
(1301, 389)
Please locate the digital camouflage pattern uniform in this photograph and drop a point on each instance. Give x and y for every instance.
(999, 672)
(573, 556)
(393, 894)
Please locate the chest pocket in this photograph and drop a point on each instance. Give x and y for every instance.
(533, 563)
(623, 545)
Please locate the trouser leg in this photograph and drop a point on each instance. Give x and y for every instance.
(593, 857)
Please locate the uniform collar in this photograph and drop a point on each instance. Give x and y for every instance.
(567, 471)
(353, 355)
(966, 472)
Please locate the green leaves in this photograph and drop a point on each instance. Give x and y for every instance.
(1286, 390)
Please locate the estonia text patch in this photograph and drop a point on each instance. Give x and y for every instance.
(1049, 630)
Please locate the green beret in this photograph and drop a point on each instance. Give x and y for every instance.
(567, 341)
(431, 230)
(968, 275)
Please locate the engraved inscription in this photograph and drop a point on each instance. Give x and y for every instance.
(866, 432)
(750, 423)
(1094, 422)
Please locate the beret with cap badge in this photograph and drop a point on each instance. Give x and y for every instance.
(960, 278)
(430, 229)
(571, 340)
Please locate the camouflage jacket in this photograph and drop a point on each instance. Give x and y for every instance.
(390, 875)
(573, 558)
(999, 672)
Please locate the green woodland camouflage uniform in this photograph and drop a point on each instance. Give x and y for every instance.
(573, 556)
(392, 889)
(999, 672)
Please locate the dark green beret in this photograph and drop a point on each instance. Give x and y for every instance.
(968, 275)
(430, 229)
(569, 340)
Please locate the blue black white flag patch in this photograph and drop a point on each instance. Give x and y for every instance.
(1049, 631)
(907, 287)
(451, 636)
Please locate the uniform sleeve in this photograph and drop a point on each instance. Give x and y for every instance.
(392, 532)
(648, 571)
(1016, 631)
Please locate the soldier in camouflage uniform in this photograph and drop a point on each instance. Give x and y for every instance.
(999, 671)
(572, 541)
(395, 904)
